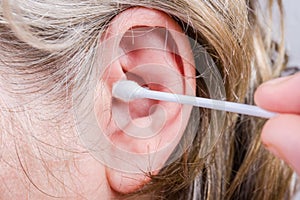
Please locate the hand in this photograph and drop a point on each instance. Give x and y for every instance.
(281, 134)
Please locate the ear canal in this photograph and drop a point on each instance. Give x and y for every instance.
(145, 118)
(140, 107)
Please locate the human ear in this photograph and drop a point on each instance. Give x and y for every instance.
(149, 47)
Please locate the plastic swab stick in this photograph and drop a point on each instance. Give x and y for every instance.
(130, 90)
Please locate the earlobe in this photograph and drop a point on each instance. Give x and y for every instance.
(146, 46)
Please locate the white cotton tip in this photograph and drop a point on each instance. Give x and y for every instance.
(127, 90)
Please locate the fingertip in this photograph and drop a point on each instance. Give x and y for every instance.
(281, 136)
(259, 96)
(265, 91)
(268, 134)
(263, 96)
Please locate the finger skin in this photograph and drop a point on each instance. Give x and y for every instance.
(280, 95)
(281, 136)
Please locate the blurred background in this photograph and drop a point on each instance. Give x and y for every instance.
(292, 20)
(292, 28)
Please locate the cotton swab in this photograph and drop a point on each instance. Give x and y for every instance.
(129, 90)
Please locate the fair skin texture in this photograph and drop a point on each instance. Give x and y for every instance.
(281, 134)
(85, 177)
(82, 175)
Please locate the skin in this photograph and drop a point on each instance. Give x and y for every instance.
(281, 134)
(84, 176)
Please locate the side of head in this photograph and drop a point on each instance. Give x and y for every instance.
(141, 44)
(56, 57)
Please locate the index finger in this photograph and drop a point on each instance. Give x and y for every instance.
(280, 95)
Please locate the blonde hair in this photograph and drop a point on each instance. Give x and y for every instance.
(47, 52)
